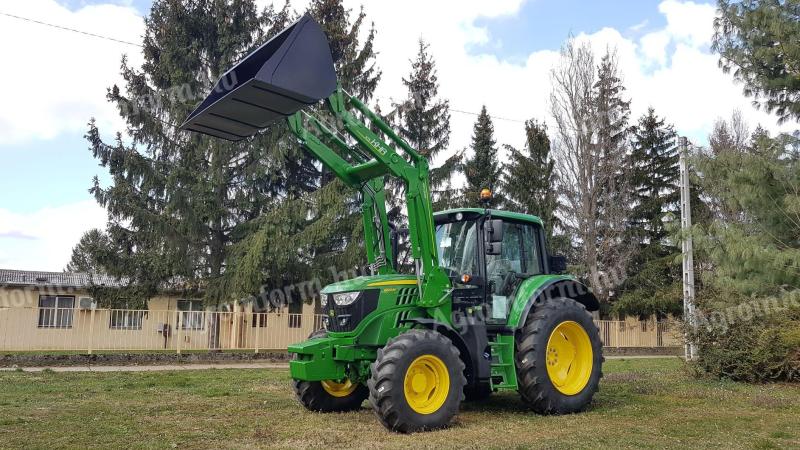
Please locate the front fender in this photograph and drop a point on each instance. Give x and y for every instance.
(543, 287)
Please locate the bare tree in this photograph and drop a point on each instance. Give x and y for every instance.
(590, 165)
(729, 135)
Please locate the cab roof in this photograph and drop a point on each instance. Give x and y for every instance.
(495, 213)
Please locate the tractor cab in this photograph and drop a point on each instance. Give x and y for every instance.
(487, 254)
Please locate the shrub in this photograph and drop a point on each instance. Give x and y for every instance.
(753, 340)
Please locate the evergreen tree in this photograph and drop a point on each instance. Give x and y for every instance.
(178, 201)
(653, 285)
(654, 176)
(483, 170)
(530, 182)
(310, 236)
(355, 62)
(760, 41)
(88, 252)
(754, 261)
(424, 122)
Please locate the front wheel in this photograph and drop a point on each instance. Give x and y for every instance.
(417, 382)
(559, 357)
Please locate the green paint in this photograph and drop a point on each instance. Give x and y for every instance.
(526, 293)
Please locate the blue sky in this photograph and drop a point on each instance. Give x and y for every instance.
(543, 24)
(496, 53)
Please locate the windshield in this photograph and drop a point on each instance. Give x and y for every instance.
(457, 245)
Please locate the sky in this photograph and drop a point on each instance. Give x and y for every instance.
(496, 53)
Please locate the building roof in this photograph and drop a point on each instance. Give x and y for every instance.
(65, 279)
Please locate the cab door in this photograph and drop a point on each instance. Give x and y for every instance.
(520, 257)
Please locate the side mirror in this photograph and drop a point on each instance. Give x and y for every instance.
(494, 236)
(558, 264)
(494, 230)
(494, 248)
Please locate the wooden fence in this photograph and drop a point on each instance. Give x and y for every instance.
(92, 330)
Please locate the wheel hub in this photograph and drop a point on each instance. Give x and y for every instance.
(338, 389)
(426, 384)
(569, 357)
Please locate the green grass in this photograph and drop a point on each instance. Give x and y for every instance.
(643, 403)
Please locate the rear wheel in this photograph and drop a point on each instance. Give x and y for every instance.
(417, 382)
(329, 395)
(559, 357)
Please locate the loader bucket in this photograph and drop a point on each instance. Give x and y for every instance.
(292, 70)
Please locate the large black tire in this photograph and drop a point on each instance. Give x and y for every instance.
(388, 384)
(314, 396)
(536, 387)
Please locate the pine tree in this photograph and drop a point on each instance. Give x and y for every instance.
(483, 170)
(310, 236)
(747, 298)
(760, 41)
(530, 182)
(652, 167)
(355, 62)
(424, 122)
(178, 201)
(88, 255)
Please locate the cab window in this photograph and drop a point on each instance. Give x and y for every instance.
(519, 258)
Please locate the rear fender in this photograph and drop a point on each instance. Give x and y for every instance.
(540, 288)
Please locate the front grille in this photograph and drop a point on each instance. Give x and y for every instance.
(341, 319)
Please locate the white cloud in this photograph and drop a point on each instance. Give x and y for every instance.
(43, 239)
(670, 68)
(55, 80)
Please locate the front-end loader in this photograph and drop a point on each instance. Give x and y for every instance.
(485, 309)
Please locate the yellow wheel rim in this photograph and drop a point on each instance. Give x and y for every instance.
(569, 358)
(426, 384)
(338, 389)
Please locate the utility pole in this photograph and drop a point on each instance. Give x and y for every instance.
(686, 247)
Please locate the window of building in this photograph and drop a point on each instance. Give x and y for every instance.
(56, 311)
(192, 314)
(126, 320)
(261, 306)
(295, 314)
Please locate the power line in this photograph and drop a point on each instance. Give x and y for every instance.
(70, 29)
(493, 117)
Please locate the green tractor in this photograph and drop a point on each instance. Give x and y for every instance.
(485, 309)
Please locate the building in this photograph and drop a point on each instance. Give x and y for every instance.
(55, 311)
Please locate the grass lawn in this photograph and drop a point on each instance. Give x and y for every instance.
(647, 403)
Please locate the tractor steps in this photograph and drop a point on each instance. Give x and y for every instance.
(504, 374)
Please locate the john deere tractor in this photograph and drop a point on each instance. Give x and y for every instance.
(485, 309)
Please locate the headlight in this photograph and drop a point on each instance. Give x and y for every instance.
(345, 298)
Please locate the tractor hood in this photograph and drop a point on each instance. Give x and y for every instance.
(367, 282)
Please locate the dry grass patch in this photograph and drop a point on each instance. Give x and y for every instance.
(642, 404)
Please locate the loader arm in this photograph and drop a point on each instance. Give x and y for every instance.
(284, 78)
(373, 160)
